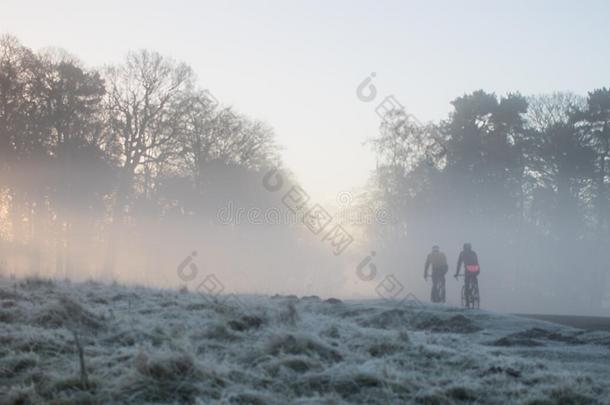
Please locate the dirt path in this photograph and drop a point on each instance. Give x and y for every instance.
(581, 322)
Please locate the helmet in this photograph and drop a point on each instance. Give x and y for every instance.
(435, 248)
(467, 246)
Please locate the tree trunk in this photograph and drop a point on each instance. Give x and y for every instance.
(114, 233)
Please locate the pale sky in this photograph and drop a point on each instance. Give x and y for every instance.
(297, 64)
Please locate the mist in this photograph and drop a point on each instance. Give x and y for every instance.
(135, 173)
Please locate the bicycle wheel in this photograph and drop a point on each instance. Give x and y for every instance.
(437, 295)
(476, 301)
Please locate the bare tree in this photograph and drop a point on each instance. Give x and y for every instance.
(549, 110)
(223, 136)
(147, 98)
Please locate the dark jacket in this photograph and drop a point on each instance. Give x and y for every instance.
(438, 261)
(467, 257)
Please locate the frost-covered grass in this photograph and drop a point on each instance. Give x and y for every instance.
(163, 346)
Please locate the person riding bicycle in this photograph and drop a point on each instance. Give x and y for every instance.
(438, 261)
(470, 260)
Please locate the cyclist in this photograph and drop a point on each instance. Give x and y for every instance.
(470, 260)
(438, 261)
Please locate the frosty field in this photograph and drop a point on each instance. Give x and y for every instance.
(144, 345)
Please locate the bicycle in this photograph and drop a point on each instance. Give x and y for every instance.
(438, 290)
(470, 296)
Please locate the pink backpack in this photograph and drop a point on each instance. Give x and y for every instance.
(472, 268)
